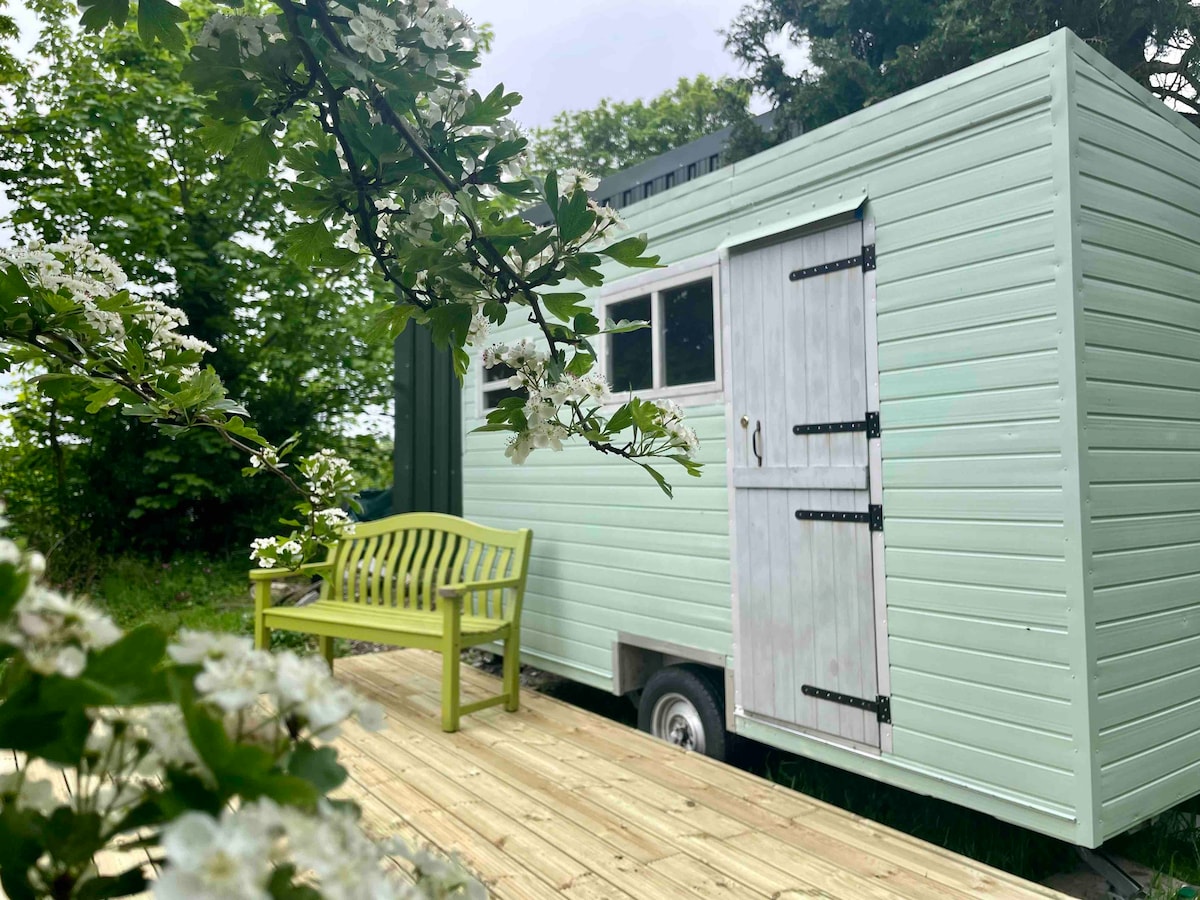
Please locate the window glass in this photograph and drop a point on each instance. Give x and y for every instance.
(631, 355)
(495, 385)
(689, 355)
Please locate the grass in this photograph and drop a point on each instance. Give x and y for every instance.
(1170, 844)
(186, 592)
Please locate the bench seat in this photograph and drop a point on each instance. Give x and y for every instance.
(420, 580)
(334, 617)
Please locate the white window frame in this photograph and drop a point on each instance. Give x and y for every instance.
(655, 283)
(481, 383)
(652, 282)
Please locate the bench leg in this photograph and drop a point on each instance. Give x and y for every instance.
(326, 646)
(451, 686)
(512, 670)
(262, 600)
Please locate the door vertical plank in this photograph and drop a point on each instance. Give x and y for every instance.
(758, 380)
(796, 362)
(777, 603)
(816, 350)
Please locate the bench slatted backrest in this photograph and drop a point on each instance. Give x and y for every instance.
(401, 561)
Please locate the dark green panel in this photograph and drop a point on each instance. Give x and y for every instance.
(428, 461)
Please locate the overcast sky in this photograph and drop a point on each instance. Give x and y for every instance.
(569, 54)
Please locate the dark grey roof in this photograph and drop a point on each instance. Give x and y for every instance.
(659, 173)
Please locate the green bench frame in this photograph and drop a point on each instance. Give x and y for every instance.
(421, 580)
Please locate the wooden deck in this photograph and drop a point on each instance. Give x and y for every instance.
(554, 801)
(557, 802)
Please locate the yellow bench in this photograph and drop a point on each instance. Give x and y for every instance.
(417, 580)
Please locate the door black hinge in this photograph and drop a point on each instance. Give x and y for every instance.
(881, 705)
(873, 430)
(864, 260)
(873, 517)
(870, 425)
(828, 515)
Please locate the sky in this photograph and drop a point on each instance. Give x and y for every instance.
(569, 54)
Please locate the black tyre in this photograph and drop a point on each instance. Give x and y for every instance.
(683, 706)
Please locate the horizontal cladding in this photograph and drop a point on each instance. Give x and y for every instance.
(972, 451)
(611, 553)
(960, 188)
(1139, 220)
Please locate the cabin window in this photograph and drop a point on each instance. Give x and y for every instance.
(679, 354)
(495, 385)
(631, 355)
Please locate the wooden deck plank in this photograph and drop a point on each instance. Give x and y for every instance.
(643, 819)
(554, 801)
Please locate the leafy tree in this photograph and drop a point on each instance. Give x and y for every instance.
(104, 141)
(615, 135)
(172, 744)
(863, 51)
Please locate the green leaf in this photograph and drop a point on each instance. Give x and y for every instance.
(221, 137)
(625, 325)
(391, 321)
(159, 20)
(99, 398)
(565, 306)
(319, 766)
(104, 887)
(127, 668)
(620, 420)
(256, 154)
(574, 217)
(586, 324)
(450, 323)
(658, 479)
(312, 245)
(581, 363)
(74, 837)
(12, 285)
(20, 846)
(99, 13)
(629, 253)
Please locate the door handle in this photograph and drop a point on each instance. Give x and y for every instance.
(755, 441)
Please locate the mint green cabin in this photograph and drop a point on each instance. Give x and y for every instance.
(943, 357)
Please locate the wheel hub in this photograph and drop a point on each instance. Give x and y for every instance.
(677, 721)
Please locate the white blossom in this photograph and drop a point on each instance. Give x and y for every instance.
(56, 633)
(216, 860)
(572, 180)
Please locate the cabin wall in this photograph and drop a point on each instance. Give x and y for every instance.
(961, 181)
(1138, 213)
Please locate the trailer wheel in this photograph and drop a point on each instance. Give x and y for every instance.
(681, 705)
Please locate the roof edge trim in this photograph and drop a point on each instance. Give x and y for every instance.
(850, 205)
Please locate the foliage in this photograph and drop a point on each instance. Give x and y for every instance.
(616, 135)
(102, 140)
(188, 591)
(209, 755)
(864, 51)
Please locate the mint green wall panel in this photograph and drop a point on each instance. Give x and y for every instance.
(1138, 220)
(964, 185)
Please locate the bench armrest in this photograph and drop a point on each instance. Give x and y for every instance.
(276, 574)
(451, 591)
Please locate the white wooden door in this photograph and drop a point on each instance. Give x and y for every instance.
(806, 650)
